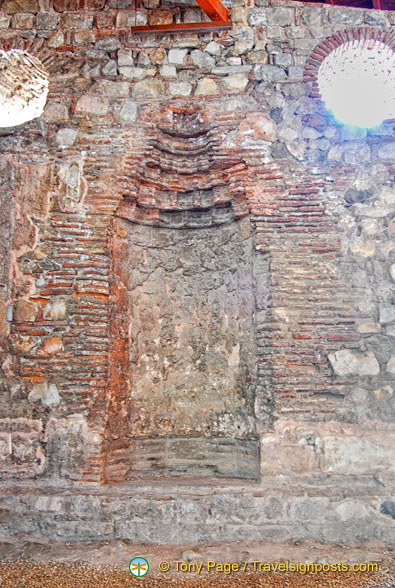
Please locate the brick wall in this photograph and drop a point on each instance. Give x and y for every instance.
(123, 114)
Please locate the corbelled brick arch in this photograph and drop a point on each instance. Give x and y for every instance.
(184, 193)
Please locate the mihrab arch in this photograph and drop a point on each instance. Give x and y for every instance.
(184, 366)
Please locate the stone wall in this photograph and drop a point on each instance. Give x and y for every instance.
(151, 144)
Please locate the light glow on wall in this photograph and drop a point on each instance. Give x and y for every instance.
(23, 88)
(357, 83)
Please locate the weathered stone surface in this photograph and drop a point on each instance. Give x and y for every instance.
(55, 310)
(391, 365)
(202, 59)
(386, 152)
(47, 21)
(362, 248)
(48, 394)
(280, 16)
(110, 68)
(90, 104)
(387, 313)
(25, 311)
(258, 126)
(177, 56)
(202, 150)
(345, 16)
(383, 393)
(188, 337)
(125, 57)
(160, 16)
(151, 88)
(368, 328)
(236, 81)
(168, 71)
(388, 508)
(108, 44)
(269, 73)
(392, 271)
(207, 87)
(347, 362)
(157, 55)
(213, 48)
(256, 17)
(66, 137)
(180, 88)
(231, 69)
(50, 346)
(128, 112)
(15, 6)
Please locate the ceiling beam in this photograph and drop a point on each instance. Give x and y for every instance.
(181, 27)
(214, 9)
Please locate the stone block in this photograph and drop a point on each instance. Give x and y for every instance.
(108, 44)
(368, 328)
(269, 73)
(47, 21)
(131, 18)
(56, 308)
(348, 455)
(47, 393)
(283, 59)
(180, 88)
(93, 105)
(157, 55)
(280, 16)
(256, 17)
(25, 311)
(213, 48)
(77, 22)
(148, 88)
(168, 71)
(391, 365)
(4, 21)
(236, 82)
(66, 137)
(177, 56)
(128, 112)
(113, 89)
(206, 87)
(386, 152)
(23, 21)
(110, 68)
(387, 313)
(345, 16)
(51, 346)
(346, 362)
(202, 59)
(362, 247)
(160, 16)
(14, 6)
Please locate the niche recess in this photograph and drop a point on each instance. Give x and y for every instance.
(183, 345)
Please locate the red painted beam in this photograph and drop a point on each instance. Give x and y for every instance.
(214, 9)
(378, 5)
(182, 27)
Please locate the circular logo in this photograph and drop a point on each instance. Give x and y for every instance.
(138, 566)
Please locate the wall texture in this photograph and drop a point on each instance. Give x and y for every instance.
(197, 281)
